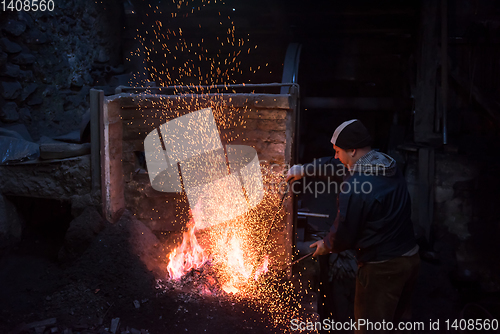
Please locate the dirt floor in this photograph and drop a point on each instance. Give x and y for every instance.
(119, 284)
(110, 280)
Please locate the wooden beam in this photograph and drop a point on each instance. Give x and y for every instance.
(357, 103)
(147, 100)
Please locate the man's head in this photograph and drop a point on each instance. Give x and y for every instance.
(351, 141)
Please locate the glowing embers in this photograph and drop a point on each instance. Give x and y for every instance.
(238, 268)
(233, 258)
(235, 255)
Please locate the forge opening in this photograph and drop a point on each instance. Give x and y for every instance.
(44, 224)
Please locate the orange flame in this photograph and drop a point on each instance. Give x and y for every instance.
(231, 254)
(189, 255)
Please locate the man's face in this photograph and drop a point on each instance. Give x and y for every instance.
(342, 155)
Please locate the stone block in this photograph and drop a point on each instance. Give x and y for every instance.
(26, 75)
(28, 90)
(76, 81)
(60, 179)
(8, 112)
(25, 114)
(3, 58)
(24, 59)
(277, 136)
(35, 36)
(10, 70)
(267, 113)
(34, 100)
(10, 90)
(272, 125)
(273, 153)
(14, 27)
(10, 47)
(80, 234)
(257, 135)
(10, 223)
(26, 18)
(80, 203)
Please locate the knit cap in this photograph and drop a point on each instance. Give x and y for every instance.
(351, 134)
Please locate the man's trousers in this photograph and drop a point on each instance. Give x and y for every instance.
(384, 290)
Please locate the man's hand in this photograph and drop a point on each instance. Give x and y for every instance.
(320, 248)
(296, 172)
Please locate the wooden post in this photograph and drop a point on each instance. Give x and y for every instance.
(426, 189)
(444, 66)
(96, 107)
(427, 64)
(290, 159)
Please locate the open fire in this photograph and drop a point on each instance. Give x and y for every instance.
(228, 250)
(189, 255)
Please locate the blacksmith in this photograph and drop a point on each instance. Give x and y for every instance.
(375, 224)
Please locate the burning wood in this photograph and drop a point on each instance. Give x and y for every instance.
(230, 261)
(229, 264)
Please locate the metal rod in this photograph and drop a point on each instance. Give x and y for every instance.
(296, 261)
(273, 222)
(308, 214)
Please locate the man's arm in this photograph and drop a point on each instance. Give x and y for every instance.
(348, 224)
(326, 166)
(346, 229)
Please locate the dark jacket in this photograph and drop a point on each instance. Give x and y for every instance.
(374, 210)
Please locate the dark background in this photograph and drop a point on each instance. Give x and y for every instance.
(385, 52)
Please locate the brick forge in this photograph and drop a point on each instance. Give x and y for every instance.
(263, 121)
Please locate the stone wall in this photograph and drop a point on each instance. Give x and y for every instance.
(465, 227)
(49, 60)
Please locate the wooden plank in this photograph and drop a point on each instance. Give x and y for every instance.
(112, 184)
(139, 129)
(271, 114)
(198, 101)
(128, 114)
(358, 103)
